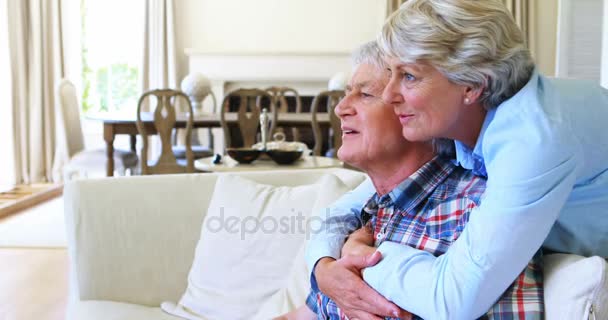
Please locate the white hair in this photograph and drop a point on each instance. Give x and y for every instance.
(368, 53)
(474, 43)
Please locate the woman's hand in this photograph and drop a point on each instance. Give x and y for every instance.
(360, 243)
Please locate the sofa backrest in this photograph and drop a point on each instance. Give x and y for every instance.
(133, 239)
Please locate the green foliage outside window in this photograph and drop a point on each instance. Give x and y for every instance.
(106, 88)
(122, 90)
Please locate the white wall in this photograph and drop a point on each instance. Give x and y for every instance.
(274, 26)
(579, 44)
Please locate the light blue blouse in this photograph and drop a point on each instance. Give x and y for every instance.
(545, 152)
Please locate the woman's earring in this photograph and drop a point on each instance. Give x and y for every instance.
(466, 100)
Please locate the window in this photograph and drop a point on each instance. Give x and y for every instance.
(112, 48)
(112, 44)
(579, 39)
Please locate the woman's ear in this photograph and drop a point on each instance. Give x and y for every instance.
(471, 95)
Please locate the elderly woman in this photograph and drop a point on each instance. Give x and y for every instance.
(460, 70)
(421, 200)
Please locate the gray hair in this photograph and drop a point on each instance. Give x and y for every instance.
(474, 43)
(369, 53)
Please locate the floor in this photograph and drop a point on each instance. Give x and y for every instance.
(34, 263)
(41, 226)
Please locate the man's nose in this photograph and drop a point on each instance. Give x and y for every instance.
(344, 107)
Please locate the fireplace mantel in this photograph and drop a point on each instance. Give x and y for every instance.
(308, 73)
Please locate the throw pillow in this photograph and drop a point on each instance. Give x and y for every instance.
(575, 286)
(249, 240)
(293, 294)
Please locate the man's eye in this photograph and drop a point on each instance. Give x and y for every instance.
(408, 77)
(367, 95)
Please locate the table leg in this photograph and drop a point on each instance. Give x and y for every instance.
(108, 136)
(133, 142)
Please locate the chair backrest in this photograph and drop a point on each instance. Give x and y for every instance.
(162, 121)
(332, 98)
(250, 105)
(70, 116)
(279, 100)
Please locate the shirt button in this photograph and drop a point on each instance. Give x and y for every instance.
(380, 235)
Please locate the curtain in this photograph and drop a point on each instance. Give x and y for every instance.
(525, 14)
(159, 68)
(37, 56)
(7, 163)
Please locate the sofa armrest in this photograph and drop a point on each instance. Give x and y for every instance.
(133, 239)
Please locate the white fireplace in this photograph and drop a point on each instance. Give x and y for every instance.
(308, 73)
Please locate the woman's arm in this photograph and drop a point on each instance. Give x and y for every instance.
(339, 221)
(527, 187)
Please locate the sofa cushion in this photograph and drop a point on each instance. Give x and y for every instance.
(574, 286)
(249, 240)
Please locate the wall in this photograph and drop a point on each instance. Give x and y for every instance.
(545, 33)
(274, 26)
(308, 26)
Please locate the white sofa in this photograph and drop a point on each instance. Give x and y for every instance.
(131, 242)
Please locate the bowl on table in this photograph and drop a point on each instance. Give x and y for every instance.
(284, 156)
(243, 155)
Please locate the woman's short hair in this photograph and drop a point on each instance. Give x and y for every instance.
(474, 43)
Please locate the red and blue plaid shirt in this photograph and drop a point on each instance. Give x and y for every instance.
(429, 211)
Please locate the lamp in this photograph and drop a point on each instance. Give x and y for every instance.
(337, 81)
(197, 87)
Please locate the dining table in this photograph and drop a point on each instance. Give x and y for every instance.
(126, 123)
(228, 164)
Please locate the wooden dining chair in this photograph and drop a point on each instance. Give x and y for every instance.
(330, 100)
(248, 105)
(279, 100)
(164, 119)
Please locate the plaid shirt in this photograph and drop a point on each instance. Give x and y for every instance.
(428, 211)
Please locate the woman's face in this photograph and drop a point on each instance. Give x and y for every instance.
(427, 103)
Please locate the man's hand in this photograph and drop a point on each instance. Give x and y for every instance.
(341, 281)
(359, 243)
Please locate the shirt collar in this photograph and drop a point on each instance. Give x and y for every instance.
(417, 187)
(473, 159)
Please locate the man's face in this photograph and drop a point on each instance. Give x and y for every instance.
(371, 132)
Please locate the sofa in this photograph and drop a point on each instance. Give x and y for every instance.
(133, 243)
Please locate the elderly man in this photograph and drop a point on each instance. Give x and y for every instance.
(421, 200)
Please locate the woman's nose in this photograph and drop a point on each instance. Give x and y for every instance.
(391, 94)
